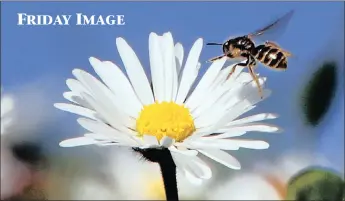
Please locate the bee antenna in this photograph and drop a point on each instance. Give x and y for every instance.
(214, 44)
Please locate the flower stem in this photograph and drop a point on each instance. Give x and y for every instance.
(168, 169)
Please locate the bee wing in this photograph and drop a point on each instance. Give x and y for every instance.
(274, 29)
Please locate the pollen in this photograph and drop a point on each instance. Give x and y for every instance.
(165, 119)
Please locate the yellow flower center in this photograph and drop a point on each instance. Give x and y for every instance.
(165, 119)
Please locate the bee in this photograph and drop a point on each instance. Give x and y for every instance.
(269, 54)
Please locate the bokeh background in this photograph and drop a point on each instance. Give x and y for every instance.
(309, 97)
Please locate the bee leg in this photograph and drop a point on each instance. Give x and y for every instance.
(216, 58)
(255, 78)
(232, 71)
(238, 64)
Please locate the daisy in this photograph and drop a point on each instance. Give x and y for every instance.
(7, 105)
(288, 165)
(268, 180)
(15, 176)
(167, 111)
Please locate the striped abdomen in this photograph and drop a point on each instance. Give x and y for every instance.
(270, 56)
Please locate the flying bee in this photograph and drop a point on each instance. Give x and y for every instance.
(269, 54)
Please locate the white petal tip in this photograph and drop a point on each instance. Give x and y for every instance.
(166, 141)
(74, 142)
(236, 165)
(200, 41)
(93, 60)
(152, 34)
(167, 34)
(236, 168)
(76, 71)
(178, 45)
(69, 80)
(58, 105)
(272, 116)
(65, 144)
(278, 130)
(267, 93)
(120, 40)
(263, 145)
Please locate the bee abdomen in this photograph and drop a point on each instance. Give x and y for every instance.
(270, 56)
(282, 64)
(260, 51)
(278, 62)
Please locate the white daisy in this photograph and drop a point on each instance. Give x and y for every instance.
(127, 111)
(280, 172)
(7, 105)
(15, 176)
(268, 180)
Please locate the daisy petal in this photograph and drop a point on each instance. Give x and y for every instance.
(5, 123)
(253, 118)
(250, 99)
(76, 87)
(259, 127)
(150, 140)
(156, 63)
(169, 66)
(106, 114)
(225, 143)
(199, 165)
(183, 163)
(230, 134)
(7, 105)
(105, 97)
(179, 53)
(79, 141)
(239, 109)
(224, 74)
(97, 137)
(192, 179)
(76, 110)
(112, 134)
(222, 157)
(135, 72)
(118, 83)
(166, 141)
(202, 88)
(188, 76)
(184, 152)
(201, 144)
(76, 98)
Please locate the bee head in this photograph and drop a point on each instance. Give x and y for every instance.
(226, 47)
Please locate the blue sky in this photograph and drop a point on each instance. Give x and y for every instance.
(49, 53)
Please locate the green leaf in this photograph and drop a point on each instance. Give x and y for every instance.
(316, 184)
(319, 93)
